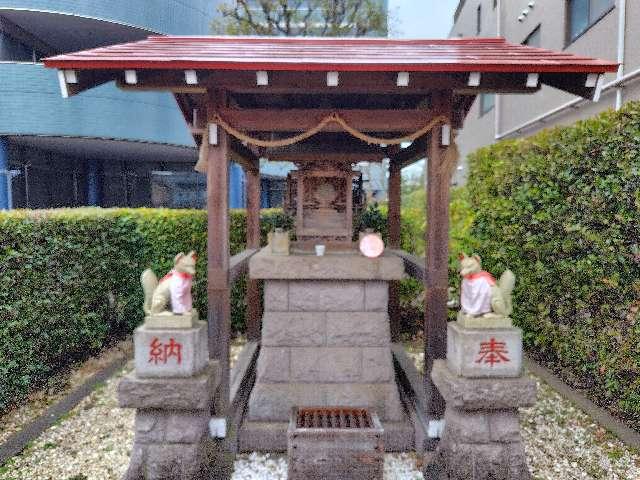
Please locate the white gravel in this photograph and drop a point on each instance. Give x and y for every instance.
(562, 442)
(63, 383)
(94, 442)
(258, 466)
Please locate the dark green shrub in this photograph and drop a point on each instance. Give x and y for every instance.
(562, 210)
(70, 278)
(70, 281)
(372, 217)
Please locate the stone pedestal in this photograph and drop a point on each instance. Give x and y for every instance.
(167, 320)
(325, 335)
(484, 352)
(171, 428)
(482, 384)
(172, 389)
(170, 352)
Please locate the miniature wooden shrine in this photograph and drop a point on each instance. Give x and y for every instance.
(324, 209)
(327, 103)
(333, 197)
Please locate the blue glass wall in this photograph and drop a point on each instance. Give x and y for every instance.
(178, 17)
(31, 104)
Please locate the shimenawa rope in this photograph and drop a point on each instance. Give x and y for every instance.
(449, 163)
(332, 118)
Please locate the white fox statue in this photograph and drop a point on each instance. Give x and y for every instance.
(172, 294)
(480, 293)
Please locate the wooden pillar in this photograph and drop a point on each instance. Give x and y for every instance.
(393, 226)
(253, 299)
(437, 259)
(218, 288)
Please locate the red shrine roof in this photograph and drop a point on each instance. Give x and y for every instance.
(326, 54)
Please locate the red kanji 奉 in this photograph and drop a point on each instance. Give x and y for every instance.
(493, 352)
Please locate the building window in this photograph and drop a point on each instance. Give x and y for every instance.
(479, 20)
(487, 102)
(582, 14)
(534, 39)
(495, 4)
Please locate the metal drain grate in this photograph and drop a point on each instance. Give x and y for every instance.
(333, 417)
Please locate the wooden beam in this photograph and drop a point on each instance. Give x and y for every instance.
(284, 82)
(328, 143)
(416, 151)
(218, 288)
(253, 299)
(150, 86)
(329, 157)
(244, 156)
(88, 79)
(300, 120)
(414, 266)
(569, 83)
(313, 83)
(393, 219)
(437, 259)
(393, 227)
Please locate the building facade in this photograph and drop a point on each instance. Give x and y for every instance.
(57, 152)
(596, 28)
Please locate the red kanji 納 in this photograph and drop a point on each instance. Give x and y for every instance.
(161, 353)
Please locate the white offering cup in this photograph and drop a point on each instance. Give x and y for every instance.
(320, 250)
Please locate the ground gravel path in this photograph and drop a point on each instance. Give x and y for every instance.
(60, 385)
(93, 442)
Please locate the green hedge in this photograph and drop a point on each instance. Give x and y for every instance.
(70, 281)
(562, 210)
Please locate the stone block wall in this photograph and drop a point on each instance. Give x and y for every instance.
(324, 343)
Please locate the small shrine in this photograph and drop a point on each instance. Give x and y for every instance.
(323, 342)
(332, 197)
(324, 204)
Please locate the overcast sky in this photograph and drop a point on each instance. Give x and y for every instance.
(422, 18)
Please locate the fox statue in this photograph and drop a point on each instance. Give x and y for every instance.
(480, 293)
(172, 294)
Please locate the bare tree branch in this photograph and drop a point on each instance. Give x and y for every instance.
(302, 17)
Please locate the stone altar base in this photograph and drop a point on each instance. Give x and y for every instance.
(325, 342)
(171, 428)
(481, 439)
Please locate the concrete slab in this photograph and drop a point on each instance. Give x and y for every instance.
(340, 266)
